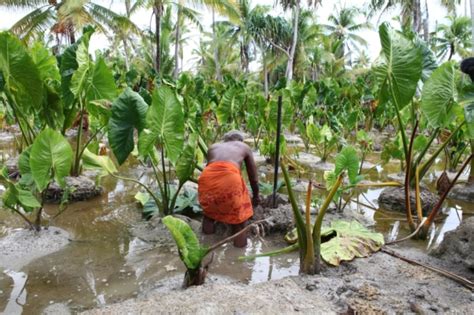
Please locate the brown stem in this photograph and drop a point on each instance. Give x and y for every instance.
(436, 208)
(37, 224)
(407, 179)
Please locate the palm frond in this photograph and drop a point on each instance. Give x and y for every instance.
(36, 21)
(23, 3)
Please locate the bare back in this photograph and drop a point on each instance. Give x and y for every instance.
(236, 152)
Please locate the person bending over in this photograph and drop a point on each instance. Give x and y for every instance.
(223, 194)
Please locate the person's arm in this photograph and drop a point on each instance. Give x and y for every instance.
(252, 175)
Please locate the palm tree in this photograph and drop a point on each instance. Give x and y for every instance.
(454, 37)
(345, 28)
(225, 7)
(295, 7)
(410, 10)
(63, 18)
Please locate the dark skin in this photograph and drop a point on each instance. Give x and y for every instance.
(236, 152)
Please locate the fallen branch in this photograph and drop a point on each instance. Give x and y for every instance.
(461, 280)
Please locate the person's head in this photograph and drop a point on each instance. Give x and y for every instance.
(233, 135)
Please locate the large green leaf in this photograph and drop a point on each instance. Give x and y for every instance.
(398, 67)
(352, 240)
(101, 84)
(439, 94)
(102, 162)
(187, 161)
(229, 105)
(190, 250)
(20, 73)
(128, 114)
(24, 161)
(46, 63)
(50, 157)
(165, 124)
(348, 160)
(68, 66)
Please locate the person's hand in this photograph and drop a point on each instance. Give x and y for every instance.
(255, 200)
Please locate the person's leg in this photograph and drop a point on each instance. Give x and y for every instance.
(208, 225)
(241, 240)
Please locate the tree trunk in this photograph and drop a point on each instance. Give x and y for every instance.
(291, 56)
(157, 8)
(416, 16)
(216, 51)
(176, 45)
(126, 52)
(265, 75)
(451, 51)
(426, 23)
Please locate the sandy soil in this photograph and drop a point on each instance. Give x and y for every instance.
(22, 246)
(378, 284)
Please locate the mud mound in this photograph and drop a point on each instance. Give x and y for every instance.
(154, 231)
(81, 188)
(464, 192)
(458, 245)
(393, 199)
(281, 217)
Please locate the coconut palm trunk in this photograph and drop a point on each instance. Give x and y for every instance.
(158, 11)
(294, 42)
(216, 48)
(176, 44)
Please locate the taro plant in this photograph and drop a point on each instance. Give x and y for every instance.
(87, 88)
(161, 142)
(29, 81)
(48, 159)
(191, 252)
(324, 140)
(401, 66)
(342, 240)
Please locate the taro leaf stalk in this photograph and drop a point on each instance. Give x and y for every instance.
(191, 251)
(434, 212)
(309, 265)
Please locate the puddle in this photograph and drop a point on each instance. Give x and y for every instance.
(103, 263)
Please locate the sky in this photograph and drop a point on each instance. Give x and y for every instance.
(142, 18)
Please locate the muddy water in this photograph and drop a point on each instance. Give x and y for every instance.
(104, 263)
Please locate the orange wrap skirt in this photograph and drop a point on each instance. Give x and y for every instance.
(223, 194)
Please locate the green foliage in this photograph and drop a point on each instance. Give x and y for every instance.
(164, 124)
(348, 160)
(128, 114)
(440, 95)
(398, 68)
(22, 78)
(50, 158)
(190, 251)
